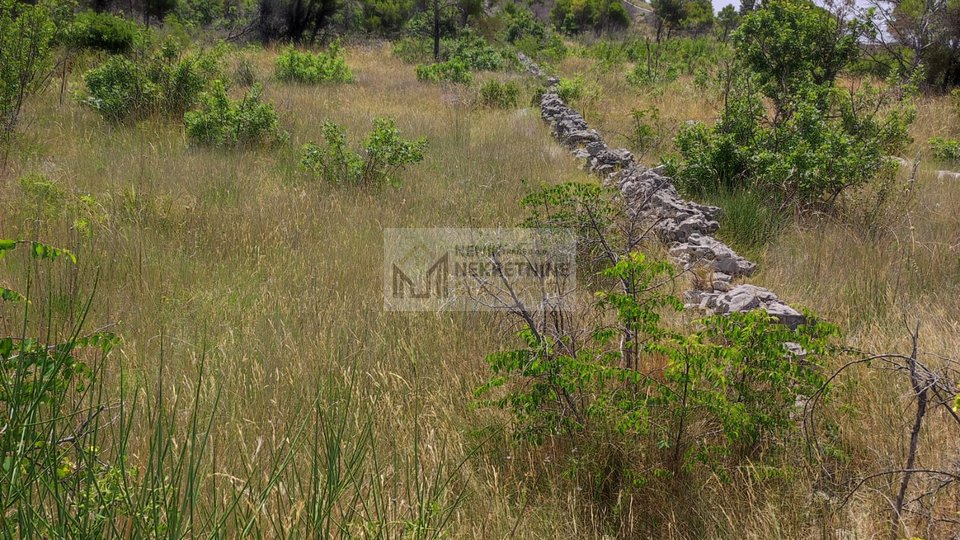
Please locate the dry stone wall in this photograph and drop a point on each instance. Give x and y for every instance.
(686, 227)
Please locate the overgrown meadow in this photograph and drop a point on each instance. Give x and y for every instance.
(192, 326)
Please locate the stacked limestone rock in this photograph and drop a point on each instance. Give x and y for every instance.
(686, 227)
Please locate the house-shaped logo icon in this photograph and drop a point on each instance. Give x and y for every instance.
(421, 274)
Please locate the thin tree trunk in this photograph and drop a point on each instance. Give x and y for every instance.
(920, 390)
(436, 30)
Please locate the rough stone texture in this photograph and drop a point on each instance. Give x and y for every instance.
(703, 250)
(686, 227)
(529, 65)
(745, 297)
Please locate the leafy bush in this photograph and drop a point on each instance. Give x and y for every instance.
(652, 73)
(576, 16)
(197, 14)
(476, 53)
(221, 121)
(413, 50)
(945, 149)
(386, 16)
(306, 67)
(384, 154)
(521, 23)
(580, 93)
(530, 36)
(166, 82)
(120, 89)
(808, 159)
(610, 55)
(181, 78)
(500, 95)
(25, 34)
(658, 63)
(819, 140)
(550, 50)
(571, 89)
(628, 393)
(44, 197)
(103, 32)
(421, 23)
(468, 50)
(455, 71)
(577, 89)
(647, 129)
(730, 384)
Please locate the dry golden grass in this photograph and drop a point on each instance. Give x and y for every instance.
(233, 256)
(277, 280)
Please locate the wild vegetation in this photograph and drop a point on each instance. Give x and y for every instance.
(193, 337)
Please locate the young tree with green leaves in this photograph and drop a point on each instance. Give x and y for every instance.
(915, 34)
(26, 31)
(727, 21)
(681, 15)
(787, 129)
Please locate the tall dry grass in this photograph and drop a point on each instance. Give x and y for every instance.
(274, 282)
(233, 256)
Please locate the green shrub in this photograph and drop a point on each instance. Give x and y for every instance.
(579, 93)
(818, 140)
(530, 36)
(181, 78)
(521, 23)
(25, 34)
(476, 53)
(576, 16)
(571, 89)
(384, 154)
(44, 196)
(610, 55)
(386, 17)
(655, 72)
(809, 159)
(221, 121)
(413, 50)
(659, 63)
(552, 49)
(167, 83)
(630, 397)
(422, 23)
(728, 384)
(945, 149)
(499, 95)
(120, 89)
(577, 88)
(103, 32)
(306, 67)
(198, 14)
(647, 129)
(455, 71)
(468, 49)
